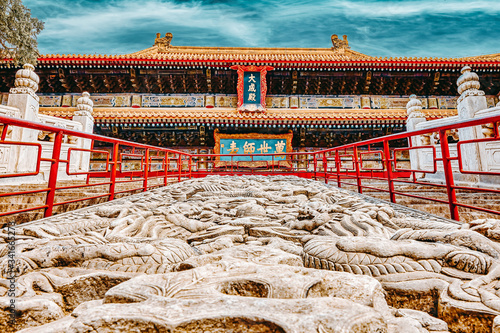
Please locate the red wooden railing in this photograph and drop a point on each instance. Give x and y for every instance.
(391, 174)
(113, 174)
(373, 165)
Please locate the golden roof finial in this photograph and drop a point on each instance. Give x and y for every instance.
(163, 43)
(340, 44)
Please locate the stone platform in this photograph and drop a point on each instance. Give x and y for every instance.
(252, 254)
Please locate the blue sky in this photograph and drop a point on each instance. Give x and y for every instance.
(424, 28)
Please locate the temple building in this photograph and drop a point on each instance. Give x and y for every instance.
(192, 97)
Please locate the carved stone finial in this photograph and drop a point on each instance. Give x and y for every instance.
(414, 108)
(26, 81)
(163, 43)
(84, 105)
(340, 44)
(468, 84)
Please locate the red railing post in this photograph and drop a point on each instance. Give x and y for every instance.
(325, 164)
(90, 159)
(146, 171)
(54, 168)
(165, 166)
(179, 165)
(4, 131)
(132, 174)
(190, 164)
(337, 166)
(315, 165)
(356, 166)
(388, 165)
(448, 175)
(112, 177)
(410, 145)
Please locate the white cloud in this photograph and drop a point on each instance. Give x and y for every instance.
(100, 24)
(434, 28)
(381, 9)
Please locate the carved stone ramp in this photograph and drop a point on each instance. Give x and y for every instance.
(252, 254)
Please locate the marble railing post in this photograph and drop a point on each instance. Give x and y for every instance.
(471, 100)
(23, 97)
(84, 117)
(414, 117)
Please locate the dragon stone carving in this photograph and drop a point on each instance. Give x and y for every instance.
(256, 254)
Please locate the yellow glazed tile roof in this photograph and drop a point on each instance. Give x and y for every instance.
(233, 114)
(163, 53)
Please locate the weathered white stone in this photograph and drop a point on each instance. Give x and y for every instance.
(229, 252)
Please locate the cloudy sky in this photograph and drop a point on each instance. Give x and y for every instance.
(437, 28)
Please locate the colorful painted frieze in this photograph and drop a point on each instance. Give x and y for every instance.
(423, 100)
(313, 102)
(490, 101)
(226, 101)
(4, 98)
(50, 101)
(277, 102)
(100, 100)
(352, 102)
(389, 102)
(433, 103)
(398, 102)
(136, 101)
(330, 102)
(447, 102)
(68, 100)
(209, 101)
(111, 101)
(173, 101)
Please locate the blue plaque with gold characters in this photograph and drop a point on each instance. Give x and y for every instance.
(253, 149)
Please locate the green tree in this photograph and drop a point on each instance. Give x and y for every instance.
(18, 32)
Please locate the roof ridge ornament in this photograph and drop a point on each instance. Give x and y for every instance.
(340, 44)
(163, 43)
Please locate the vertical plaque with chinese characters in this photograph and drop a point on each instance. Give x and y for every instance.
(252, 87)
